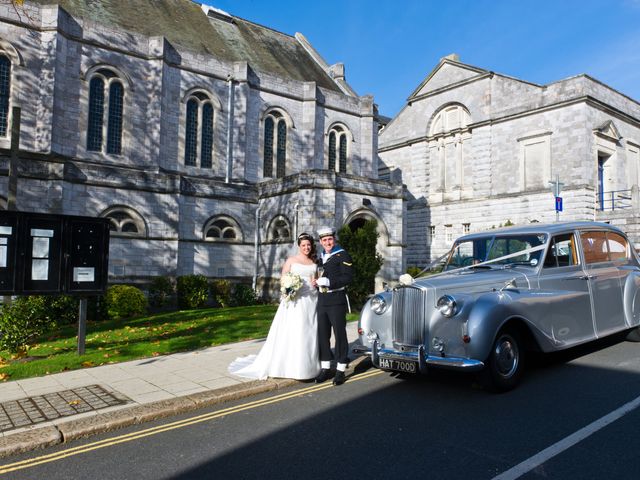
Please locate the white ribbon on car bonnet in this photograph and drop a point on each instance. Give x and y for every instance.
(488, 262)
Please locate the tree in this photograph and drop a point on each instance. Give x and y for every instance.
(361, 245)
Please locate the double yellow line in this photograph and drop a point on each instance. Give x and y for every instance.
(52, 457)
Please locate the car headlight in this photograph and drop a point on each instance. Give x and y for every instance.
(378, 304)
(447, 305)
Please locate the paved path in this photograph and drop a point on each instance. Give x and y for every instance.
(43, 411)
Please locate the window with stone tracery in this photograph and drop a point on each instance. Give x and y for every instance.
(5, 91)
(222, 228)
(279, 230)
(106, 102)
(126, 222)
(275, 144)
(337, 148)
(198, 141)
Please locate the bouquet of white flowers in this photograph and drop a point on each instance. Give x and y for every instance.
(406, 279)
(290, 283)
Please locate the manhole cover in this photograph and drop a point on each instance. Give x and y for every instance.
(41, 408)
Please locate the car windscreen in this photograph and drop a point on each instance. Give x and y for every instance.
(479, 250)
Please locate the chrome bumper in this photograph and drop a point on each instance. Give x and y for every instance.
(424, 360)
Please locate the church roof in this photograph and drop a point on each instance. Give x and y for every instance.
(184, 24)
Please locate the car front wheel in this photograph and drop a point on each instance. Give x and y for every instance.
(505, 363)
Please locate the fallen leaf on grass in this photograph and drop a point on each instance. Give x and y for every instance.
(4, 376)
(106, 355)
(156, 354)
(87, 364)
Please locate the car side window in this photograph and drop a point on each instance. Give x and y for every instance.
(594, 246)
(562, 252)
(617, 246)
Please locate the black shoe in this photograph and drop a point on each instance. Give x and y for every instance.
(324, 374)
(339, 378)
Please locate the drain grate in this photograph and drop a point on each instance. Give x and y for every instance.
(41, 408)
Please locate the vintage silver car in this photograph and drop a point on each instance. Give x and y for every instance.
(505, 292)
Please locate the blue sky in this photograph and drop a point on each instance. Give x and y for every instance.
(389, 47)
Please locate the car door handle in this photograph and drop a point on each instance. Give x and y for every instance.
(588, 277)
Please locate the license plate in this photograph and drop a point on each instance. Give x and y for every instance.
(398, 365)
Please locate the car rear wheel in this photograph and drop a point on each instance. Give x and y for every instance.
(505, 363)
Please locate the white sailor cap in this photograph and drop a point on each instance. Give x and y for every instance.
(325, 232)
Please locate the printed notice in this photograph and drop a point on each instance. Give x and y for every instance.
(39, 269)
(3, 252)
(40, 247)
(84, 274)
(41, 232)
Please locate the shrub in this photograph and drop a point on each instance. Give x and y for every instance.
(414, 271)
(22, 321)
(243, 295)
(160, 292)
(221, 292)
(361, 245)
(123, 301)
(193, 291)
(63, 309)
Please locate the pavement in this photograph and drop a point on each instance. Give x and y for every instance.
(44, 411)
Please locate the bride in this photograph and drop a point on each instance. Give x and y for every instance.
(291, 348)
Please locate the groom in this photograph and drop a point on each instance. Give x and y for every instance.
(332, 305)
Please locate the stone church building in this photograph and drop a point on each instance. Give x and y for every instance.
(477, 150)
(209, 141)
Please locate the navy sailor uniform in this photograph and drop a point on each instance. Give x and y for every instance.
(332, 305)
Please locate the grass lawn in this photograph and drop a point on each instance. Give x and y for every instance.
(122, 340)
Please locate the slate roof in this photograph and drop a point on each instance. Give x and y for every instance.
(184, 24)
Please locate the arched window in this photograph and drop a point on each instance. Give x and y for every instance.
(275, 144)
(106, 100)
(279, 230)
(5, 90)
(451, 118)
(222, 229)
(449, 138)
(337, 149)
(126, 222)
(198, 139)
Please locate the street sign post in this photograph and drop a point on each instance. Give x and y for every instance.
(556, 188)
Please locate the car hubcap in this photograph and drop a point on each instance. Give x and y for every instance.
(507, 357)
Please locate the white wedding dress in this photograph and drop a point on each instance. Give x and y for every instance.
(291, 348)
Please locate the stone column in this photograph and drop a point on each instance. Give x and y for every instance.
(311, 130)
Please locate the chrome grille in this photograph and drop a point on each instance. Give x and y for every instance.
(408, 315)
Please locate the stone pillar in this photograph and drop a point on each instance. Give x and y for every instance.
(242, 169)
(312, 134)
(368, 139)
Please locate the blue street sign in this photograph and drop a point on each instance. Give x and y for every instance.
(558, 204)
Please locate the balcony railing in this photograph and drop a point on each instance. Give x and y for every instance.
(613, 200)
